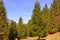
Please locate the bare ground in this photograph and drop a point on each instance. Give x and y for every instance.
(55, 36)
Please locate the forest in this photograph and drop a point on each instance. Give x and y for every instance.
(42, 22)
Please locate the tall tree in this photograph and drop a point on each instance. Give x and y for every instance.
(53, 14)
(29, 26)
(12, 31)
(3, 20)
(45, 21)
(37, 21)
(57, 13)
(21, 29)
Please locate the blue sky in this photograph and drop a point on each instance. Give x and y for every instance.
(22, 8)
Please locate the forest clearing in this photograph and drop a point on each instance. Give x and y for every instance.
(55, 36)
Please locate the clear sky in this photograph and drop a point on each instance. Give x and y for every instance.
(22, 8)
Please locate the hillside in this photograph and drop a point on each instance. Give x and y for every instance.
(9, 21)
(55, 36)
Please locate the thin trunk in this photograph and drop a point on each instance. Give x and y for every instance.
(18, 38)
(38, 37)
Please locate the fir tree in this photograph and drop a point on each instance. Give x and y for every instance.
(3, 20)
(53, 27)
(37, 21)
(21, 29)
(12, 31)
(45, 18)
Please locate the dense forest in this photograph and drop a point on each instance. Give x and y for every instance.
(42, 22)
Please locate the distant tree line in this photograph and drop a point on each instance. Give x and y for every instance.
(42, 22)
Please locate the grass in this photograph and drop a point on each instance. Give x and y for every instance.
(55, 36)
(55, 39)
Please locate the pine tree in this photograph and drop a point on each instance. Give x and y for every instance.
(37, 21)
(12, 31)
(53, 27)
(45, 21)
(35, 18)
(21, 29)
(29, 26)
(36, 13)
(3, 21)
(26, 29)
(45, 13)
(58, 13)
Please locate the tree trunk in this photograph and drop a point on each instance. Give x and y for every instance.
(18, 38)
(38, 37)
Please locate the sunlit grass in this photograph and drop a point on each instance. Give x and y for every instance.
(55, 38)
